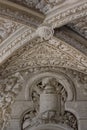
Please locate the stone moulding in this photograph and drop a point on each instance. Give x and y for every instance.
(20, 14)
(12, 46)
(67, 16)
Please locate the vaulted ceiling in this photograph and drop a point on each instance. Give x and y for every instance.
(36, 33)
(22, 21)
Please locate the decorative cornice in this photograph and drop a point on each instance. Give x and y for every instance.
(67, 16)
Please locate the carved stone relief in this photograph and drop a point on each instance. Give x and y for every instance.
(67, 16)
(53, 53)
(38, 88)
(41, 54)
(48, 111)
(9, 89)
(7, 27)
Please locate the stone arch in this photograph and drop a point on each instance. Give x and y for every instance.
(60, 77)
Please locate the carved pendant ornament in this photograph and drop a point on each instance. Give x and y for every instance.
(49, 99)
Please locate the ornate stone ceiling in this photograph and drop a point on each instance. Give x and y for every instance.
(28, 27)
(42, 33)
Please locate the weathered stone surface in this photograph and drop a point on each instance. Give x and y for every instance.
(43, 66)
